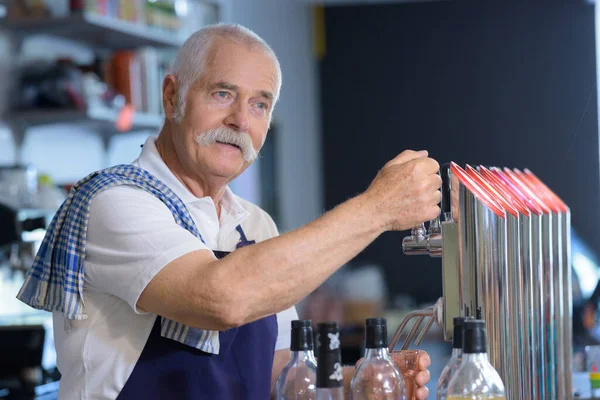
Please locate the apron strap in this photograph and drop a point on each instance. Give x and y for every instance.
(243, 241)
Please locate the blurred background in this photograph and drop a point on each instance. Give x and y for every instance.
(496, 82)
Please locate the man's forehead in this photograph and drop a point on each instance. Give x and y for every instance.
(239, 63)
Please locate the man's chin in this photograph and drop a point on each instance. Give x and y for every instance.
(229, 170)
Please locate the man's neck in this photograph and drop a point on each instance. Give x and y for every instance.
(198, 186)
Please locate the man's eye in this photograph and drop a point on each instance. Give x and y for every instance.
(222, 95)
(262, 106)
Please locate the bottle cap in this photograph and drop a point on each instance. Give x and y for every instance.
(474, 336)
(302, 335)
(376, 333)
(457, 336)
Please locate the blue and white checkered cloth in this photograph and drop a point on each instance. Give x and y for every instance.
(55, 280)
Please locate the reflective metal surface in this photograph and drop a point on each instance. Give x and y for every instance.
(504, 239)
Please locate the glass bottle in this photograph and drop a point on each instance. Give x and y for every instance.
(476, 378)
(298, 378)
(455, 360)
(377, 377)
(330, 378)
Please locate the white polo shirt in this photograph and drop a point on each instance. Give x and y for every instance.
(131, 236)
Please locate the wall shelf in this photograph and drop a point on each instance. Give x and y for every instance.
(100, 117)
(95, 30)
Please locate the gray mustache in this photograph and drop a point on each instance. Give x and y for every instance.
(229, 136)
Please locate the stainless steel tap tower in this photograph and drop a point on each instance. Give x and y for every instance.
(504, 240)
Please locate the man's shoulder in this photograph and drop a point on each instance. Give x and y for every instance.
(126, 202)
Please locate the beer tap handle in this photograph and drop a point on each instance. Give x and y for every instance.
(446, 205)
(416, 243)
(419, 231)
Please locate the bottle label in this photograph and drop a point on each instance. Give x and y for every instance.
(329, 366)
(334, 340)
(337, 372)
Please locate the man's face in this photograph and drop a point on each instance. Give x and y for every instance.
(235, 94)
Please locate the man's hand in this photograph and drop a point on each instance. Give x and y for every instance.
(422, 377)
(406, 191)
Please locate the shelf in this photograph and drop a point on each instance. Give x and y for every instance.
(96, 117)
(96, 30)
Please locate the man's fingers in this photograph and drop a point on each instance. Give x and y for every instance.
(407, 156)
(424, 360)
(423, 378)
(422, 393)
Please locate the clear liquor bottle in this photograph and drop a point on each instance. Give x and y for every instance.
(330, 378)
(298, 378)
(455, 360)
(476, 378)
(377, 377)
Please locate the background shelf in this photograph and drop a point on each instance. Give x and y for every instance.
(96, 30)
(97, 117)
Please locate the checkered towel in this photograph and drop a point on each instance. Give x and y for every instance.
(55, 281)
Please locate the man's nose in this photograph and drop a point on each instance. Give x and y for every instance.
(238, 118)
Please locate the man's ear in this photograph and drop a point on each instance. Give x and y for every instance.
(169, 97)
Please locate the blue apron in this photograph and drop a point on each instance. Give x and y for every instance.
(168, 369)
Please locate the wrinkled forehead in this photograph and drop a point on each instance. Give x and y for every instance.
(246, 65)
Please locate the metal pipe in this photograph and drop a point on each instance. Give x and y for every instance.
(562, 293)
(568, 299)
(559, 321)
(425, 329)
(510, 301)
(428, 312)
(514, 302)
(520, 286)
(547, 324)
(413, 332)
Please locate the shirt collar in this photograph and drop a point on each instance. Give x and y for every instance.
(151, 161)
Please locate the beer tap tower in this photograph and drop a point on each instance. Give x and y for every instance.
(504, 240)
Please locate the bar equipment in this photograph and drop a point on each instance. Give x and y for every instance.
(504, 240)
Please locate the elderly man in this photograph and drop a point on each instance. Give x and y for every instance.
(164, 284)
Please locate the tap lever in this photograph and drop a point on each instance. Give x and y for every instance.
(446, 205)
(434, 226)
(435, 313)
(416, 243)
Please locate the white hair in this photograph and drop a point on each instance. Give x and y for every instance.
(193, 58)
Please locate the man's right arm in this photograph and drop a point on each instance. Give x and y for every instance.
(267, 277)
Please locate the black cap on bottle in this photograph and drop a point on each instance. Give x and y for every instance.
(329, 367)
(376, 333)
(302, 335)
(474, 336)
(457, 336)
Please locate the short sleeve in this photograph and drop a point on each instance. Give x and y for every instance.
(131, 236)
(284, 328)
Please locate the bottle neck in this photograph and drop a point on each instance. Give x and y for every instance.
(456, 353)
(303, 356)
(381, 352)
(475, 358)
